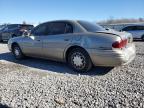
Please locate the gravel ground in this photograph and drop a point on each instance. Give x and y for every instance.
(36, 83)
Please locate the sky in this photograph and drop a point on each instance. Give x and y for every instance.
(38, 11)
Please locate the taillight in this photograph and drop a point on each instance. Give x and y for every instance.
(120, 44)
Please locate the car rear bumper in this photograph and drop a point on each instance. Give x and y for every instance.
(113, 57)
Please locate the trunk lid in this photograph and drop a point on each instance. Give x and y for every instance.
(122, 35)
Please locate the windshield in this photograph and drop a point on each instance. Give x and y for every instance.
(12, 26)
(2, 27)
(91, 27)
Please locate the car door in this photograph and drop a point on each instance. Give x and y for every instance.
(58, 38)
(5, 33)
(139, 31)
(134, 30)
(32, 45)
(130, 29)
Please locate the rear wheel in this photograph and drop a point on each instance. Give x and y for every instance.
(79, 60)
(17, 52)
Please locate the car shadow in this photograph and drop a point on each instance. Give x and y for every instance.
(52, 65)
(4, 106)
(4, 42)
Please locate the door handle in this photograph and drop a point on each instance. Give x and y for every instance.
(37, 40)
(66, 39)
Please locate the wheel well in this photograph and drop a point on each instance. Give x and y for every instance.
(69, 50)
(142, 36)
(14, 44)
(13, 35)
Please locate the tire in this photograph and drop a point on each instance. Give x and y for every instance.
(79, 60)
(17, 52)
(1, 40)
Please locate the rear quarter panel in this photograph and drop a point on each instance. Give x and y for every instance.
(92, 41)
(98, 41)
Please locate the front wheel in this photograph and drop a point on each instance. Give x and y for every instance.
(79, 60)
(17, 52)
(1, 40)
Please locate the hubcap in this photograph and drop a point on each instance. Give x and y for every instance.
(78, 60)
(17, 52)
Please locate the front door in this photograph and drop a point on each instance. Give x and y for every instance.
(32, 45)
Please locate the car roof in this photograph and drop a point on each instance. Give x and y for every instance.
(76, 25)
(20, 24)
(134, 25)
(59, 21)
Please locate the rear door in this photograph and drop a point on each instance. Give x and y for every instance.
(139, 30)
(58, 38)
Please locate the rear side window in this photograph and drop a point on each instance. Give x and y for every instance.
(69, 28)
(132, 28)
(91, 27)
(59, 28)
(140, 27)
(56, 28)
(129, 28)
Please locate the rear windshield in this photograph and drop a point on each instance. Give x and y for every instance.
(27, 27)
(20, 26)
(91, 27)
(12, 26)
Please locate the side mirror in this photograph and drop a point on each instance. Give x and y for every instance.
(26, 33)
(107, 29)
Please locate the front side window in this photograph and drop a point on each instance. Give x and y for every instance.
(2, 27)
(39, 30)
(91, 27)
